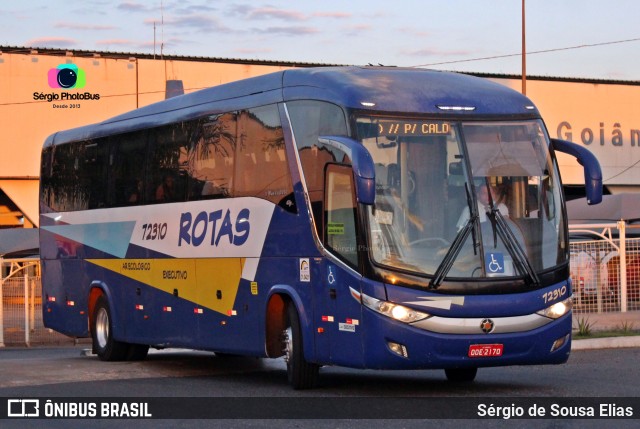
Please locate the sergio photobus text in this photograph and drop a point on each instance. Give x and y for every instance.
(70, 96)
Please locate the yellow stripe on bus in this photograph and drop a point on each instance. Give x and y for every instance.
(197, 280)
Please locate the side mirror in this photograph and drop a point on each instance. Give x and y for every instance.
(592, 171)
(361, 163)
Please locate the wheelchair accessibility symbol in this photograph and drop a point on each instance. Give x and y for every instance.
(331, 278)
(494, 263)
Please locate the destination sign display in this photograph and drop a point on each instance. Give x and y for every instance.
(403, 127)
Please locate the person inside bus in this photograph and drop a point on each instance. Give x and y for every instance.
(166, 190)
(134, 194)
(484, 204)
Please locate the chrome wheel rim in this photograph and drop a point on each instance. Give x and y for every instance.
(288, 344)
(102, 328)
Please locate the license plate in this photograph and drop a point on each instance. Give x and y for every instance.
(485, 350)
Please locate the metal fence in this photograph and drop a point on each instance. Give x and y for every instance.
(21, 309)
(605, 274)
(606, 269)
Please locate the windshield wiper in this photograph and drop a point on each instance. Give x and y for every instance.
(452, 253)
(512, 245)
(458, 243)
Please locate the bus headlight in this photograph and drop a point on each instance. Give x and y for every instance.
(558, 309)
(395, 311)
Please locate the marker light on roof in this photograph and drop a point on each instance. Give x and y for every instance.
(367, 103)
(456, 108)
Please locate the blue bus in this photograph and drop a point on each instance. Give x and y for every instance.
(366, 217)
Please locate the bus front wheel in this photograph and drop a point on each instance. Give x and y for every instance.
(461, 374)
(300, 373)
(104, 345)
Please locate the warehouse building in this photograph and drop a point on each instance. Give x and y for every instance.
(604, 116)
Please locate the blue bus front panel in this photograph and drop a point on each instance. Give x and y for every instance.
(429, 350)
(452, 336)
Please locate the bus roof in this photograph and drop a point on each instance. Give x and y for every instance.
(386, 89)
(393, 89)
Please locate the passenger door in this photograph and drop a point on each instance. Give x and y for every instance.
(338, 313)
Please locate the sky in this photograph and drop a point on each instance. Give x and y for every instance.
(564, 38)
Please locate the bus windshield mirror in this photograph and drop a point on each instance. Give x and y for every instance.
(592, 171)
(346, 150)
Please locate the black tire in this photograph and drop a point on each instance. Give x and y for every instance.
(300, 373)
(222, 355)
(104, 345)
(137, 351)
(461, 375)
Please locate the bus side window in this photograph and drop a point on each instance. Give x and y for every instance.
(309, 120)
(340, 214)
(211, 157)
(95, 172)
(63, 192)
(81, 168)
(46, 182)
(168, 156)
(261, 168)
(127, 166)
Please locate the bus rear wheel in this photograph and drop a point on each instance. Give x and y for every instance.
(300, 373)
(461, 375)
(104, 345)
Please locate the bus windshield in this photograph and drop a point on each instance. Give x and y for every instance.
(463, 199)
